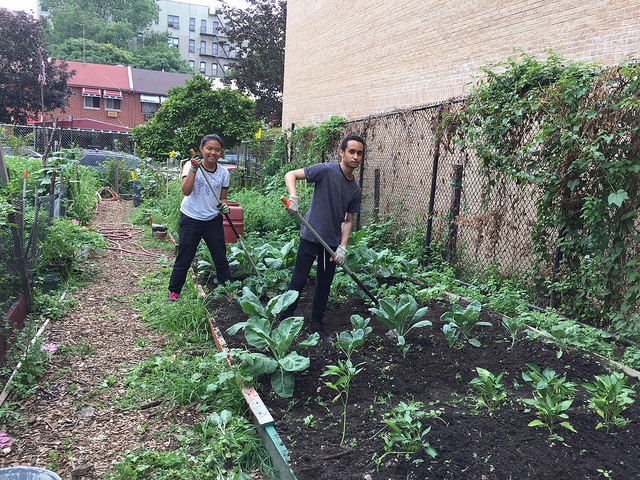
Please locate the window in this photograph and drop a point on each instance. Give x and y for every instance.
(214, 69)
(192, 24)
(150, 105)
(173, 21)
(112, 103)
(203, 67)
(227, 49)
(203, 47)
(192, 46)
(203, 26)
(192, 64)
(216, 27)
(92, 103)
(174, 42)
(91, 98)
(112, 99)
(226, 69)
(214, 48)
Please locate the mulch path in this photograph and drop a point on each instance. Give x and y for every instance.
(72, 423)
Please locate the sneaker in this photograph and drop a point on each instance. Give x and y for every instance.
(173, 296)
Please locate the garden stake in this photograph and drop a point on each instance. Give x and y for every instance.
(233, 227)
(302, 220)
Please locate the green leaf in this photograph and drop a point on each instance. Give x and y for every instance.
(618, 197)
(283, 383)
(294, 362)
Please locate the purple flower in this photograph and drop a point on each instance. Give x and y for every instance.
(5, 440)
(49, 347)
(75, 222)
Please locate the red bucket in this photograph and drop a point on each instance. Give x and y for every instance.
(236, 214)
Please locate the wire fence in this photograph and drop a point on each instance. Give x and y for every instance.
(37, 137)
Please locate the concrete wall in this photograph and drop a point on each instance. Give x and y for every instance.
(366, 57)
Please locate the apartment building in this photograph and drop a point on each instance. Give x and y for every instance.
(199, 34)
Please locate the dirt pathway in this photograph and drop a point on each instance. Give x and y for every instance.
(73, 425)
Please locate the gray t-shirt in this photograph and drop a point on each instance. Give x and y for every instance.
(201, 204)
(333, 196)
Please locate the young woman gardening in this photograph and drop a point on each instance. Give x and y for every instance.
(201, 214)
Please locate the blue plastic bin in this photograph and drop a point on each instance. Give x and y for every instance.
(27, 473)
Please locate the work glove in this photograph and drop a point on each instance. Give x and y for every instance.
(292, 204)
(341, 256)
(224, 209)
(194, 165)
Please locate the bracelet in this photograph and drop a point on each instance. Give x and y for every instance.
(194, 170)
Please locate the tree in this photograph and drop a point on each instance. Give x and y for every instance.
(117, 22)
(92, 52)
(99, 32)
(153, 52)
(22, 59)
(192, 111)
(259, 32)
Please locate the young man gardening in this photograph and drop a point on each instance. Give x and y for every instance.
(336, 199)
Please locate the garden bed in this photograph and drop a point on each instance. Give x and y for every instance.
(470, 442)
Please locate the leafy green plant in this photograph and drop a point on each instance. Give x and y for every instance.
(551, 413)
(491, 391)
(552, 397)
(260, 333)
(465, 319)
(401, 317)
(451, 333)
(609, 398)
(513, 325)
(548, 381)
(64, 240)
(563, 335)
(405, 435)
(345, 370)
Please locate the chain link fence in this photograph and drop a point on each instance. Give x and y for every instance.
(36, 138)
(411, 176)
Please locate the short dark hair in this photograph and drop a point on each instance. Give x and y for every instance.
(348, 138)
(211, 136)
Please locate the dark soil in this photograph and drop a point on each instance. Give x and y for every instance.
(471, 443)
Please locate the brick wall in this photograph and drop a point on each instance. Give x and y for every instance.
(372, 56)
(129, 116)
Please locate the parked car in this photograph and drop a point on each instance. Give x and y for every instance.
(95, 158)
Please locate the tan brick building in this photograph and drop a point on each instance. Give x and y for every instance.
(366, 57)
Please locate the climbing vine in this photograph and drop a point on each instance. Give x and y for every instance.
(572, 130)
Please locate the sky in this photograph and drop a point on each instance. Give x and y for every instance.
(30, 5)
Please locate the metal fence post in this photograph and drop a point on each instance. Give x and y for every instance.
(434, 177)
(454, 211)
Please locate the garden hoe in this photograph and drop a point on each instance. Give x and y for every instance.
(302, 220)
(233, 227)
